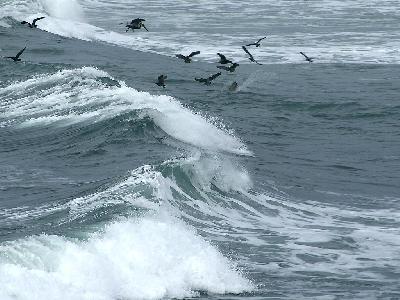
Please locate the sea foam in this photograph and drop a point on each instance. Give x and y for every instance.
(151, 258)
(79, 95)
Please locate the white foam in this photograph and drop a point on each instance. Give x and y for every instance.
(287, 28)
(148, 259)
(63, 9)
(73, 96)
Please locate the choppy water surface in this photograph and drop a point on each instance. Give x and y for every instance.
(114, 188)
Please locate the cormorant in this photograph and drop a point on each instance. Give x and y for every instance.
(251, 58)
(257, 44)
(309, 59)
(223, 60)
(207, 81)
(187, 59)
(33, 25)
(16, 57)
(136, 24)
(161, 80)
(229, 69)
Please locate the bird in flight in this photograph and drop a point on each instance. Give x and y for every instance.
(257, 44)
(16, 57)
(229, 69)
(33, 25)
(207, 81)
(223, 60)
(136, 24)
(187, 59)
(309, 59)
(251, 58)
(161, 80)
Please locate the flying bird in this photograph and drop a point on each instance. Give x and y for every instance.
(187, 59)
(161, 80)
(33, 25)
(136, 24)
(309, 59)
(207, 81)
(223, 60)
(16, 57)
(229, 69)
(257, 44)
(251, 58)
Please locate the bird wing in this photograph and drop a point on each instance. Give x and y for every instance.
(19, 53)
(223, 68)
(252, 44)
(261, 39)
(137, 20)
(214, 76)
(200, 79)
(194, 53)
(37, 19)
(247, 51)
(222, 56)
(180, 56)
(304, 55)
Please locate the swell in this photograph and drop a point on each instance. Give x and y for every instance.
(80, 105)
(89, 96)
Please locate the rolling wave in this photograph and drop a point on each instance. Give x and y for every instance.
(175, 262)
(91, 95)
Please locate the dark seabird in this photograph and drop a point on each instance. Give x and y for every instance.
(257, 44)
(33, 25)
(229, 69)
(187, 59)
(136, 24)
(309, 59)
(223, 60)
(16, 57)
(251, 58)
(233, 87)
(161, 80)
(207, 81)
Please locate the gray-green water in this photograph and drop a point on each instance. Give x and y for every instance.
(114, 188)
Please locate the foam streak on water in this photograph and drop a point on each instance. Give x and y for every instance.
(330, 31)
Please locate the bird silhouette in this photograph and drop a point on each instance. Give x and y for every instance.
(232, 68)
(33, 25)
(257, 44)
(223, 60)
(188, 58)
(136, 24)
(161, 80)
(16, 57)
(207, 81)
(309, 59)
(251, 58)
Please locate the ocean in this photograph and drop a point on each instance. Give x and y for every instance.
(114, 188)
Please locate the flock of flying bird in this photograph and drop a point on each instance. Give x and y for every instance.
(138, 24)
(222, 60)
